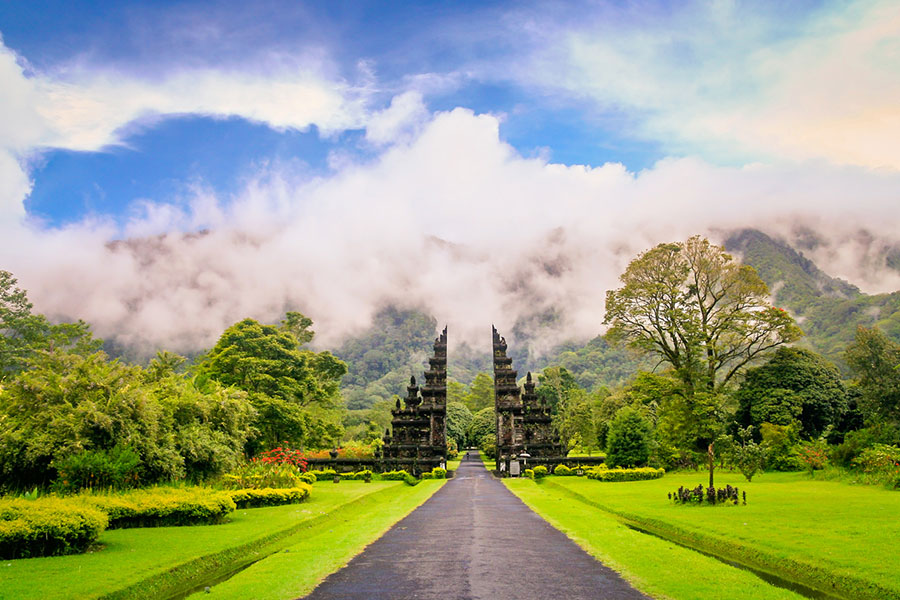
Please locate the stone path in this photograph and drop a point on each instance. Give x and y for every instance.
(473, 540)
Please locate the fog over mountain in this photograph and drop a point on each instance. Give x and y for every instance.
(452, 221)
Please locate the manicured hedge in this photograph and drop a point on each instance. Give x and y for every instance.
(159, 507)
(563, 471)
(324, 474)
(639, 474)
(47, 527)
(394, 475)
(358, 475)
(252, 498)
(540, 472)
(308, 478)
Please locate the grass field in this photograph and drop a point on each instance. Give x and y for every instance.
(830, 536)
(162, 562)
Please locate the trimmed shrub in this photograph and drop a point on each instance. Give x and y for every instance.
(251, 498)
(427, 475)
(628, 439)
(540, 472)
(358, 475)
(439, 473)
(529, 473)
(410, 480)
(308, 478)
(324, 474)
(47, 527)
(639, 474)
(394, 475)
(563, 471)
(162, 507)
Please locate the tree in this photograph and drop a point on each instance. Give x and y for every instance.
(484, 423)
(23, 333)
(628, 441)
(556, 384)
(690, 304)
(481, 393)
(459, 419)
(696, 309)
(746, 454)
(295, 392)
(875, 360)
(793, 385)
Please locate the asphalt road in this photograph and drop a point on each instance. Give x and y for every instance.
(473, 540)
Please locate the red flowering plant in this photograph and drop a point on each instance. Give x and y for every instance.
(813, 455)
(276, 468)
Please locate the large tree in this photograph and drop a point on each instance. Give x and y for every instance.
(794, 386)
(694, 307)
(875, 360)
(295, 391)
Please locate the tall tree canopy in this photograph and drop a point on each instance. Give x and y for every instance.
(875, 360)
(295, 391)
(794, 386)
(698, 310)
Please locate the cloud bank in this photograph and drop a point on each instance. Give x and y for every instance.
(453, 221)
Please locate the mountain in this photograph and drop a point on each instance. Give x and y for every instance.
(828, 309)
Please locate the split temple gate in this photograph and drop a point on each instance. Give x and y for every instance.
(524, 424)
(418, 441)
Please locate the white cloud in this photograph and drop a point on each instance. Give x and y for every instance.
(399, 121)
(455, 221)
(725, 81)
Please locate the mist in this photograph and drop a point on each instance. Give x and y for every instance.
(448, 219)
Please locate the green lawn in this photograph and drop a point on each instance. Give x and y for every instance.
(157, 562)
(323, 549)
(828, 535)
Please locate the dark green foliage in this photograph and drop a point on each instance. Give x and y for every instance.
(875, 361)
(484, 423)
(794, 385)
(782, 447)
(480, 393)
(597, 364)
(115, 468)
(47, 527)
(395, 335)
(458, 422)
(628, 441)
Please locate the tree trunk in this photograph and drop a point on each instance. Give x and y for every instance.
(712, 462)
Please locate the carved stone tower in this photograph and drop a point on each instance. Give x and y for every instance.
(419, 439)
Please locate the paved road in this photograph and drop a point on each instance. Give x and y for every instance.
(473, 540)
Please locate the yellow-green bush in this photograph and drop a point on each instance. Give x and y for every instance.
(252, 498)
(158, 507)
(324, 474)
(639, 474)
(540, 472)
(47, 527)
(563, 471)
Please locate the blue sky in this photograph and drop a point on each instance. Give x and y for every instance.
(583, 130)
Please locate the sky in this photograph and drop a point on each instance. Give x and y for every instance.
(169, 168)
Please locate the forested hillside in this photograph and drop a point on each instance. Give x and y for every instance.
(828, 309)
